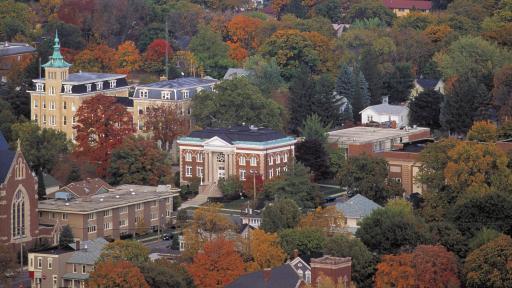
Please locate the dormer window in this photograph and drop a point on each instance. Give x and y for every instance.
(143, 93)
(40, 87)
(89, 87)
(185, 94)
(113, 83)
(99, 86)
(166, 95)
(67, 88)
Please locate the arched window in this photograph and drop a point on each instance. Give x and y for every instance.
(18, 215)
(19, 169)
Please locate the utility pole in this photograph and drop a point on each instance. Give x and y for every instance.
(166, 50)
(254, 188)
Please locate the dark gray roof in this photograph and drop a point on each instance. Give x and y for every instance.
(280, 277)
(239, 133)
(7, 48)
(87, 256)
(6, 158)
(89, 77)
(236, 72)
(357, 207)
(125, 101)
(427, 83)
(50, 181)
(187, 83)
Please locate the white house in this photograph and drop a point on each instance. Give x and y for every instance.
(355, 209)
(386, 113)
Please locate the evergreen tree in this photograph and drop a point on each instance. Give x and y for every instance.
(369, 67)
(301, 87)
(361, 98)
(324, 102)
(66, 236)
(463, 104)
(347, 112)
(314, 129)
(424, 109)
(312, 154)
(344, 83)
(399, 83)
(74, 174)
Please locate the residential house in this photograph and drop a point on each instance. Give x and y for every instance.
(84, 188)
(57, 96)
(12, 54)
(244, 152)
(297, 273)
(392, 115)
(355, 209)
(422, 84)
(233, 73)
(122, 211)
(404, 7)
(64, 267)
(18, 201)
(177, 92)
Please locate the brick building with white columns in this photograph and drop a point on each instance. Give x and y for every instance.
(216, 153)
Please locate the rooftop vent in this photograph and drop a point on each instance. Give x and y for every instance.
(117, 196)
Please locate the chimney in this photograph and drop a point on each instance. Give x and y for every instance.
(77, 244)
(385, 99)
(336, 268)
(266, 274)
(85, 247)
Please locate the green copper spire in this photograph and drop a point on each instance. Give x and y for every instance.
(56, 60)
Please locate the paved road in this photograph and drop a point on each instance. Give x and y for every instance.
(159, 246)
(21, 280)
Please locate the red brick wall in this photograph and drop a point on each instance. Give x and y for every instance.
(359, 149)
(334, 274)
(420, 135)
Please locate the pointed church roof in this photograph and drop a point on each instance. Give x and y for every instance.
(6, 158)
(56, 60)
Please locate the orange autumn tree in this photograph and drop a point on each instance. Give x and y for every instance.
(264, 250)
(328, 219)
(217, 265)
(483, 131)
(95, 58)
(119, 274)
(242, 33)
(165, 123)
(154, 57)
(128, 58)
(101, 126)
(426, 266)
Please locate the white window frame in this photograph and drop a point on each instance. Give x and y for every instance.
(73, 107)
(107, 225)
(188, 171)
(188, 156)
(123, 222)
(44, 104)
(36, 104)
(278, 159)
(40, 262)
(143, 93)
(67, 88)
(242, 174)
(99, 86)
(83, 269)
(278, 171)
(51, 91)
(270, 173)
(199, 157)
(40, 87)
(52, 105)
(88, 87)
(270, 160)
(285, 157)
(123, 210)
(91, 229)
(199, 171)
(49, 262)
(185, 94)
(64, 120)
(166, 95)
(154, 216)
(254, 161)
(91, 216)
(107, 213)
(241, 160)
(55, 280)
(113, 83)
(139, 206)
(64, 216)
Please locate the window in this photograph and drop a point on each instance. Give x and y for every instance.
(91, 216)
(270, 159)
(143, 93)
(153, 203)
(308, 277)
(31, 262)
(44, 104)
(107, 213)
(112, 83)
(52, 91)
(99, 86)
(64, 105)
(36, 119)
(39, 262)
(278, 159)
(278, 171)
(199, 171)
(285, 168)
(53, 120)
(166, 95)
(64, 216)
(140, 125)
(20, 169)
(168, 213)
(107, 225)
(89, 87)
(50, 263)
(138, 219)
(241, 161)
(188, 156)
(83, 269)
(18, 213)
(35, 104)
(73, 107)
(123, 210)
(40, 87)
(74, 268)
(270, 173)
(138, 206)
(285, 157)
(188, 171)
(154, 216)
(73, 120)
(44, 119)
(199, 157)
(55, 282)
(253, 161)
(67, 88)
(123, 223)
(185, 94)
(52, 105)
(64, 120)
(242, 174)
(91, 228)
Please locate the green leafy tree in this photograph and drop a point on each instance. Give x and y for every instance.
(414, 20)
(235, 102)
(446, 233)
(211, 52)
(294, 184)
(125, 250)
(41, 148)
(312, 154)
(367, 175)
(282, 214)
(425, 108)
(7, 264)
(139, 161)
(314, 129)
(489, 265)
(363, 261)
(66, 236)
(390, 229)
(15, 19)
(7, 119)
(399, 83)
(231, 187)
(482, 237)
(361, 98)
(483, 131)
(368, 9)
(308, 241)
(164, 274)
(265, 74)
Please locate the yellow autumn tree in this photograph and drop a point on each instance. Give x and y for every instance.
(264, 250)
(128, 58)
(328, 219)
(483, 131)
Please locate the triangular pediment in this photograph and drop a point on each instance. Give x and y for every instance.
(217, 142)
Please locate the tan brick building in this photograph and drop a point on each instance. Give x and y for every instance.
(58, 95)
(123, 210)
(217, 153)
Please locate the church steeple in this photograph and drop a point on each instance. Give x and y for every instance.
(56, 60)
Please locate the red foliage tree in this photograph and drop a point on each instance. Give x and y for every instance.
(251, 182)
(217, 265)
(101, 126)
(76, 12)
(165, 123)
(96, 58)
(426, 266)
(154, 57)
(120, 274)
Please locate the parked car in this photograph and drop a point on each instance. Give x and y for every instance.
(167, 237)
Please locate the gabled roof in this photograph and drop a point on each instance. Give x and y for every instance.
(357, 207)
(386, 109)
(427, 83)
(87, 187)
(280, 277)
(6, 158)
(236, 72)
(89, 255)
(407, 4)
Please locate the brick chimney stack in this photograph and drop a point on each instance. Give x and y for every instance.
(336, 268)
(77, 244)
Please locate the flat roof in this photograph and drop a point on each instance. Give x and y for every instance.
(119, 196)
(362, 135)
